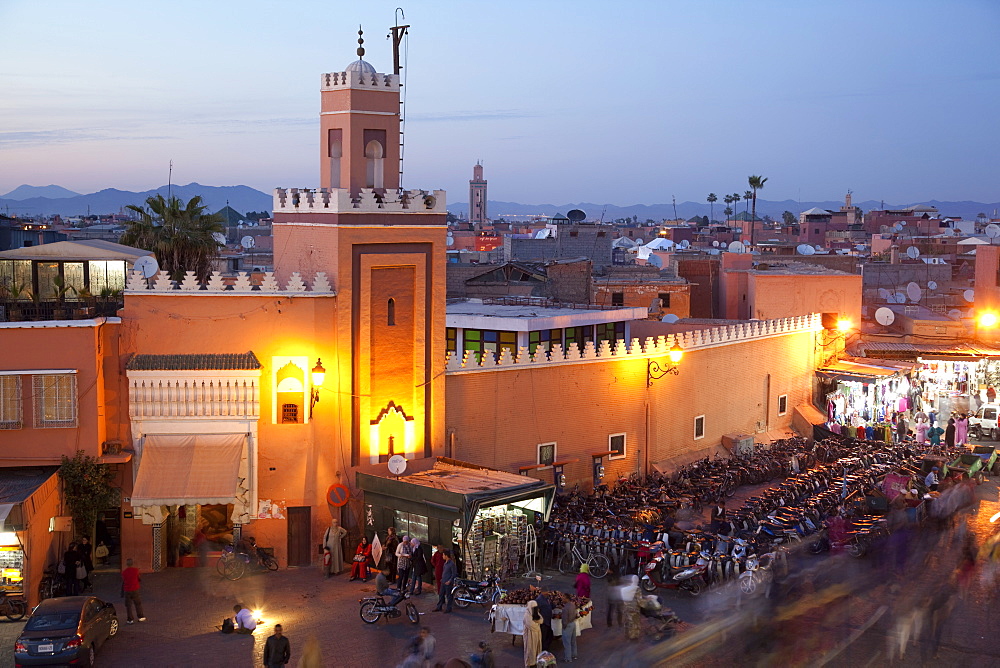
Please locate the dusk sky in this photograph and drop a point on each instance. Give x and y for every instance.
(622, 103)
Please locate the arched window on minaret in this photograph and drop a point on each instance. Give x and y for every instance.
(373, 163)
(391, 312)
(335, 150)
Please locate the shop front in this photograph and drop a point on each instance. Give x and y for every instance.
(33, 535)
(192, 489)
(487, 516)
(861, 396)
(957, 384)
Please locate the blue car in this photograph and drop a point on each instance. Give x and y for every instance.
(65, 631)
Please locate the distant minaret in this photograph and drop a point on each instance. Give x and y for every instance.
(477, 197)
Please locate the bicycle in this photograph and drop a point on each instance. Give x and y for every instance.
(13, 607)
(233, 563)
(52, 585)
(571, 560)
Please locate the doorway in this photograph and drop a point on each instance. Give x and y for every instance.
(299, 536)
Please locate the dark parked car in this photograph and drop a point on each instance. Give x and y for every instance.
(66, 630)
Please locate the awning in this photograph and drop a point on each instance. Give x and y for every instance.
(188, 469)
(5, 509)
(862, 372)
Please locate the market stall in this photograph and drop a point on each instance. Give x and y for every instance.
(487, 516)
(509, 617)
(862, 394)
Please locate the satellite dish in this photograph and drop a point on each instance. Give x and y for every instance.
(219, 237)
(993, 230)
(714, 251)
(900, 298)
(913, 291)
(736, 247)
(805, 249)
(576, 215)
(913, 252)
(898, 227)
(746, 242)
(969, 296)
(670, 317)
(684, 244)
(884, 316)
(247, 242)
(147, 266)
(715, 244)
(932, 285)
(955, 313)
(656, 261)
(883, 293)
(859, 247)
(397, 464)
(639, 241)
(818, 247)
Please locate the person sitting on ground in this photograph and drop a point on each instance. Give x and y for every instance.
(931, 481)
(383, 588)
(245, 623)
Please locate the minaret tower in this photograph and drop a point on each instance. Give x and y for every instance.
(383, 250)
(477, 197)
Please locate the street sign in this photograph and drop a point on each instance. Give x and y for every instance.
(337, 495)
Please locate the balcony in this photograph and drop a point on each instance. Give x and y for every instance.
(20, 310)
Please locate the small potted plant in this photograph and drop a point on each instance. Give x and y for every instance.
(60, 289)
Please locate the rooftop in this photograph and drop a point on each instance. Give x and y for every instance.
(461, 478)
(17, 483)
(198, 362)
(76, 251)
(797, 268)
(524, 314)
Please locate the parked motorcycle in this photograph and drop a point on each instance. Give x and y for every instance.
(375, 607)
(487, 592)
(691, 578)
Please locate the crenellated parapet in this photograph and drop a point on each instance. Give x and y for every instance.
(359, 80)
(368, 200)
(700, 339)
(239, 283)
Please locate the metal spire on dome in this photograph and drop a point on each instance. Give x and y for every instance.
(361, 43)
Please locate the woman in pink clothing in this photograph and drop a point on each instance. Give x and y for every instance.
(961, 429)
(921, 429)
(582, 582)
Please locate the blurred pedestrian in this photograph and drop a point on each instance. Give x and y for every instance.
(334, 540)
(532, 634)
(389, 552)
(569, 616)
(991, 395)
(277, 649)
(130, 591)
(582, 582)
(418, 562)
(616, 606)
(545, 608)
(961, 429)
(86, 555)
(437, 561)
(448, 576)
(949, 433)
(72, 563)
(404, 562)
(312, 656)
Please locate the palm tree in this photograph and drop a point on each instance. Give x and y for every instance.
(756, 183)
(729, 211)
(712, 199)
(728, 200)
(179, 235)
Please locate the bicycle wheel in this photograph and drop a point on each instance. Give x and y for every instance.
(221, 564)
(369, 612)
(234, 569)
(567, 563)
(269, 562)
(16, 609)
(45, 589)
(599, 565)
(459, 594)
(412, 614)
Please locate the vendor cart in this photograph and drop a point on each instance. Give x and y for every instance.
(967, 466)
(988, 454)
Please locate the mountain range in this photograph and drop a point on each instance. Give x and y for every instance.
(111, 200)
(52, 199)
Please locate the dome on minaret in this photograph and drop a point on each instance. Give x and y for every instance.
(361, 65)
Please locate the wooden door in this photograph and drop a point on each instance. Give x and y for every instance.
(299, 536)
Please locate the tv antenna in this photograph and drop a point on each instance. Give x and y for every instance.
(170, 178)
(399, 33)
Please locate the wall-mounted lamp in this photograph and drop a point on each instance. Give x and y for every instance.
(318, 376)
(598, 463)
(654, 371)
(988, 319)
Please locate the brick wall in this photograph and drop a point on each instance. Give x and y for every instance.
(499, 417)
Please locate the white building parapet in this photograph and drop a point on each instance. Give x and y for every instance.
(367, 200)
(239, 283)
(364, 80)
(700, 339)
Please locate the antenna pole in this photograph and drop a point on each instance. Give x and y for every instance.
(675, 206)
(170, 179)
(398, 32)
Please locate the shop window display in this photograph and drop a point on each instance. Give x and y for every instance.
(497, 541)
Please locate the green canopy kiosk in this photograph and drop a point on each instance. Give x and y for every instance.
(487, 516)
